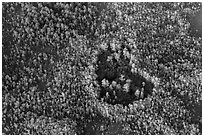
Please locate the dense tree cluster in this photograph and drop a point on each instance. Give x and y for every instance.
(48, 69)
(101, 68)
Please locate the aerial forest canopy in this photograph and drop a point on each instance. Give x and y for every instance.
(101, 68)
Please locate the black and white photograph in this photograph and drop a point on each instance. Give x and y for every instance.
(101, 68)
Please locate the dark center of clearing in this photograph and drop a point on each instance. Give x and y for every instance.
(114, 76)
